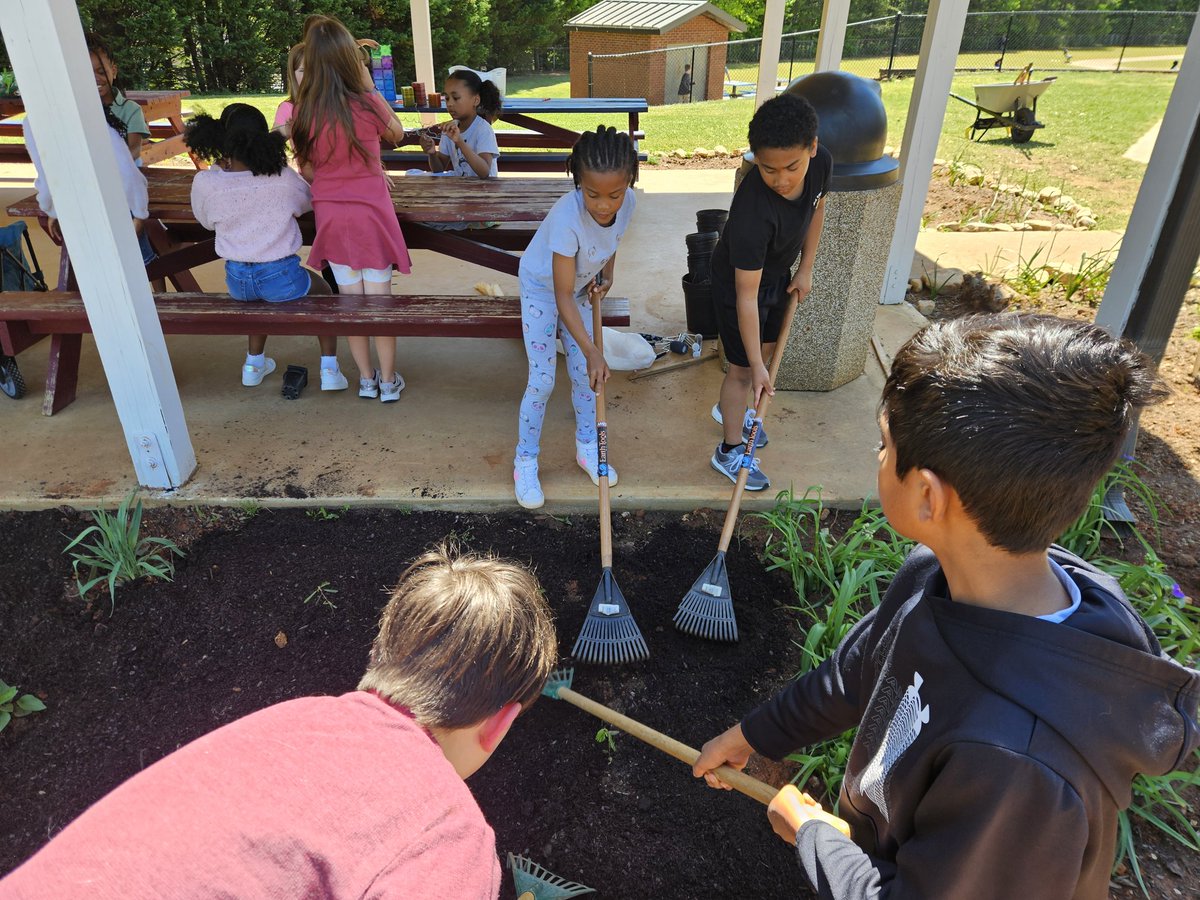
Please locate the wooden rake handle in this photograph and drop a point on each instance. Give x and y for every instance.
(739, 487)
(606, 553)
(751, 787)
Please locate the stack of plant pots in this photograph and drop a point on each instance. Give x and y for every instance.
(697, 283)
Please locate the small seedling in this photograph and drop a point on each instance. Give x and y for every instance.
(321, 514)
(12, 706)
(321, 594)
(607, 737)
(249, 509)
(207, 515)
(117, 554)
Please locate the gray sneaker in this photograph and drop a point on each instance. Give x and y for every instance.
(746, 423)
(389, 391)
(730, 464)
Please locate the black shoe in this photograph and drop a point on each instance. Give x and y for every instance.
(295, 379)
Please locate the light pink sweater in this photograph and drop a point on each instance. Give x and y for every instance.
(254, 216)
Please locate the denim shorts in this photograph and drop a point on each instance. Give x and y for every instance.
(276, 282)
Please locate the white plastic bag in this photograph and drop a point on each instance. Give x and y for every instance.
(624, 351)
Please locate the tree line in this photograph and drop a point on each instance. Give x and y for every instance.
(239, 46)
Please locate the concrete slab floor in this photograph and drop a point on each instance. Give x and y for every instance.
(448, 443)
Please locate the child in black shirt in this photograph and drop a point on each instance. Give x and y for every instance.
(776, 214)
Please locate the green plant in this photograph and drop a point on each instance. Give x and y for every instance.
(1029, 276)
(826, 762)
(321, 514)
(605, 737)
(322, 595)
(249, 509)
(1083, 537)
(118, 554)
(206, 514)
(1090, 280)
(12, 706)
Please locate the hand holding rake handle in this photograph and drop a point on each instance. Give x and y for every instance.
(559, 687)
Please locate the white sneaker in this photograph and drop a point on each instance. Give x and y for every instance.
(528, 488)
(389, 391)
(369, 387)
(333, 380)
(587, 454)
(252, 376)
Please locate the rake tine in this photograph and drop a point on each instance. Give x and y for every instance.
(609, 636)
(534, 881)
(707, 609)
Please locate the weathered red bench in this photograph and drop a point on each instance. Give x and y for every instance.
(27, 317)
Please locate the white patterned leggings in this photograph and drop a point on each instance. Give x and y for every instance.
(539, 322)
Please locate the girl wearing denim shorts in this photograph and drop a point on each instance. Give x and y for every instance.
(251, 199)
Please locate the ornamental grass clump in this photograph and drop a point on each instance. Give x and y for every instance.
(117, 554)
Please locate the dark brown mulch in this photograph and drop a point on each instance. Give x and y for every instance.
(177, 660)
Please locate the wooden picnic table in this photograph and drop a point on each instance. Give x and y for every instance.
(166, 140)
(524, 112)
(518, 205)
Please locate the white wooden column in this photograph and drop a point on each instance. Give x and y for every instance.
(832, 38)
(44, 40)
(1180, 121)
(926, 110)
(768, 54)
(423, 51)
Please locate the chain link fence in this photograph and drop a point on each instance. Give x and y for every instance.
(888, 47)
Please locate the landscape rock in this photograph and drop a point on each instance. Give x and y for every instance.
(1085, 222)
(914, 285)
(972, 174)
(679, 153)
(1041, 225)
(721, 150)
(925, 307)
(703, 153)
(1049, 193)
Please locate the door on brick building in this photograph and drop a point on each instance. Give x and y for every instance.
(677, 58)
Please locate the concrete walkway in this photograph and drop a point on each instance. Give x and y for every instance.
(448, 443)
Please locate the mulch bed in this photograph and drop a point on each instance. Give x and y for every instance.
(177, 660)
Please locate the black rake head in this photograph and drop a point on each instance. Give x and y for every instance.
(707, 609)
(609, 635)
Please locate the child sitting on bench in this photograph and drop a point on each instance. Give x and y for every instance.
(251, 199)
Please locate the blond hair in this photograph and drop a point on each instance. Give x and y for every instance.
(463, 635)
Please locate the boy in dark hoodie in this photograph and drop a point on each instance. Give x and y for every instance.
(1005, 691)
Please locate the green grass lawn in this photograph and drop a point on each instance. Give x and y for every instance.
(1091, 120)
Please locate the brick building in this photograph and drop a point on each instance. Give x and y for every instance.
(672, 27)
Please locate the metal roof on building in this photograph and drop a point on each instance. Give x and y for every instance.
(654, 16)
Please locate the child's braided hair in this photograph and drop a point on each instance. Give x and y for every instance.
(603, 150)
(242, 134)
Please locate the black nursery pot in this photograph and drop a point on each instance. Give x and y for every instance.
(699, 267)
(702, 241)
(711, 220)
(698, 304)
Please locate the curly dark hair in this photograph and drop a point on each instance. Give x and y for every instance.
(783, 121)
(1021, 414)
(490, 101)
(603, 150)
(242, 134)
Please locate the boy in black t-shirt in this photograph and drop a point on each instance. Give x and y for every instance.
(777, 213)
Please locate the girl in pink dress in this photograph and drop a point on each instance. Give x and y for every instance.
(337, 124)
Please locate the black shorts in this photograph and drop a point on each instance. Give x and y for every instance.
(772, 307)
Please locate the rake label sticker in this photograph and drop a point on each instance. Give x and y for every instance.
(601, 449)
(608, 609)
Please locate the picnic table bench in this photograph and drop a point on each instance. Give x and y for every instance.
(26, 317)
(517, 204)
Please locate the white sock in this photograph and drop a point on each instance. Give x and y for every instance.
(259, 361)
(329, 362)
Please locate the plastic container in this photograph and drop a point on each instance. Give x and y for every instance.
(699, 308)
(711, 220)
(700, 266)
(702, 241)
